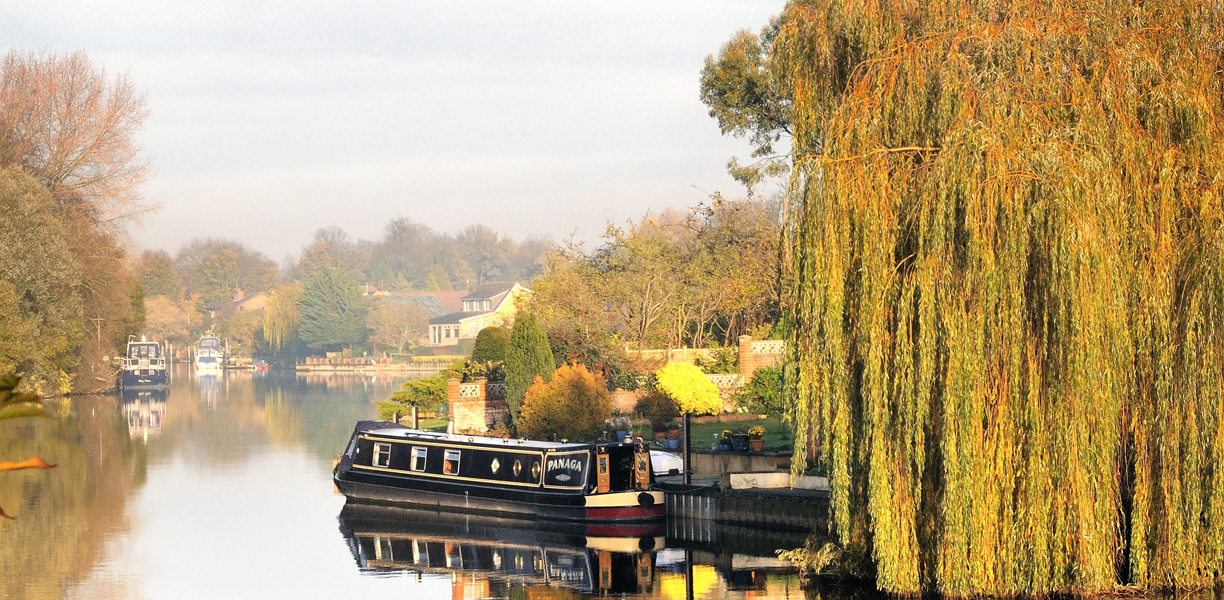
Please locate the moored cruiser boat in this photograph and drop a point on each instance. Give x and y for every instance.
(605, 482)
(144, 366)
(209, 355)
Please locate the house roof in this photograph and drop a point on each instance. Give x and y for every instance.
(457, 317)
(248, 299)
(489, 291)
(448, 301)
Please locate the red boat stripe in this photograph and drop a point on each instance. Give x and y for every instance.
(629, 512)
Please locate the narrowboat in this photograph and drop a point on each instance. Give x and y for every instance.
(144, 366)
(606, 483)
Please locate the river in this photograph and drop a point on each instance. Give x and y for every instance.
(221, 488)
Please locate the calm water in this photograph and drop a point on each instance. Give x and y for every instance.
(222, 489)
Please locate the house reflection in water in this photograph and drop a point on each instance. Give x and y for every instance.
(145, 411)
(484, 556)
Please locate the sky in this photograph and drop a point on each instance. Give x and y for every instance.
(269, 120)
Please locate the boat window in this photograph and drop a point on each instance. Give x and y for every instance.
(382, 454)
(418, 458)
(450, 462)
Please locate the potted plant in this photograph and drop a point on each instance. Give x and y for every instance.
(673, 438)
(739, 441)
(756, 438)
(722, 443)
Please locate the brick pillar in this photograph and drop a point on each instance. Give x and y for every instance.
(452, 390)
(746, 365)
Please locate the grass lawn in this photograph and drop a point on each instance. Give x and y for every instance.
(778, 436)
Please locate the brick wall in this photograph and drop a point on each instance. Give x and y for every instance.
(756, 354)
(472, 408)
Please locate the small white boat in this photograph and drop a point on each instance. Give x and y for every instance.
(209, 354)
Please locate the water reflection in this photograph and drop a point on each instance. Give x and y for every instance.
(221, 488)
(485, 555)
(145, 411)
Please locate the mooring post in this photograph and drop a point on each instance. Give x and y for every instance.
(416, 423)
(688, 469)
(395, 417)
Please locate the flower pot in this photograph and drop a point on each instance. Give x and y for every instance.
(722, 447)
(757, 444)
(659, 435)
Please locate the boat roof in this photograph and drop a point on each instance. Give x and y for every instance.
(399, 431)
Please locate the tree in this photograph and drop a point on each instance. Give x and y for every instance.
(491, 344)
(438, 280)
(155, 273)
(748, 100)
(1006, 324)
(689, 388)
(572, 405)
(332, 310)
(424, 393)
(40, 294)
(245, 331)
(281, 317)
(396, 324)
(165, 320)
(73, 128)
(212, 267)
(528, 356)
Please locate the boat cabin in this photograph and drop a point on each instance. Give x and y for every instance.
(521, 463)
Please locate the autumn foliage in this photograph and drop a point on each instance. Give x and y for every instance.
(1008, 334)
(572, 405)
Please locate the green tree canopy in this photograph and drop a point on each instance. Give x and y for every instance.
(491, 344)
(1007, 326)
(527, 356)
(746, 97)
(155, 273)
(39, 296)
(331, 310)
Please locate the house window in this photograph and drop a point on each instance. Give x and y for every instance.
(447, 332)
(450, 462)
(472, 329)
(418, 458)
(382, 455)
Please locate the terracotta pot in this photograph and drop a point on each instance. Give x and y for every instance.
(756, 445)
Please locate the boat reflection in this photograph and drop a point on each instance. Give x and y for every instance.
(145, 411)
(489, 552)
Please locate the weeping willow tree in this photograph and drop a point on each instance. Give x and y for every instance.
(1008, 298)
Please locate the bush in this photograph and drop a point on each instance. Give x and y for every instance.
(691, 390)
(572, 405)
(724, 360)
(490, 345)
(657, 408)
(763, 393)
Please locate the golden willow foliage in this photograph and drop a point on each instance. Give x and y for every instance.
(1009, 295)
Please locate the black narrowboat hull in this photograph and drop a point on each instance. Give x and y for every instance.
(490, 500)
(149, 379)
(391, 465)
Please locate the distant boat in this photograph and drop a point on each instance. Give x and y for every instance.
(144, 365)
(593, 483)
(209, 355)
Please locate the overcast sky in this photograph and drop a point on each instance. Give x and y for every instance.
(272, 119)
